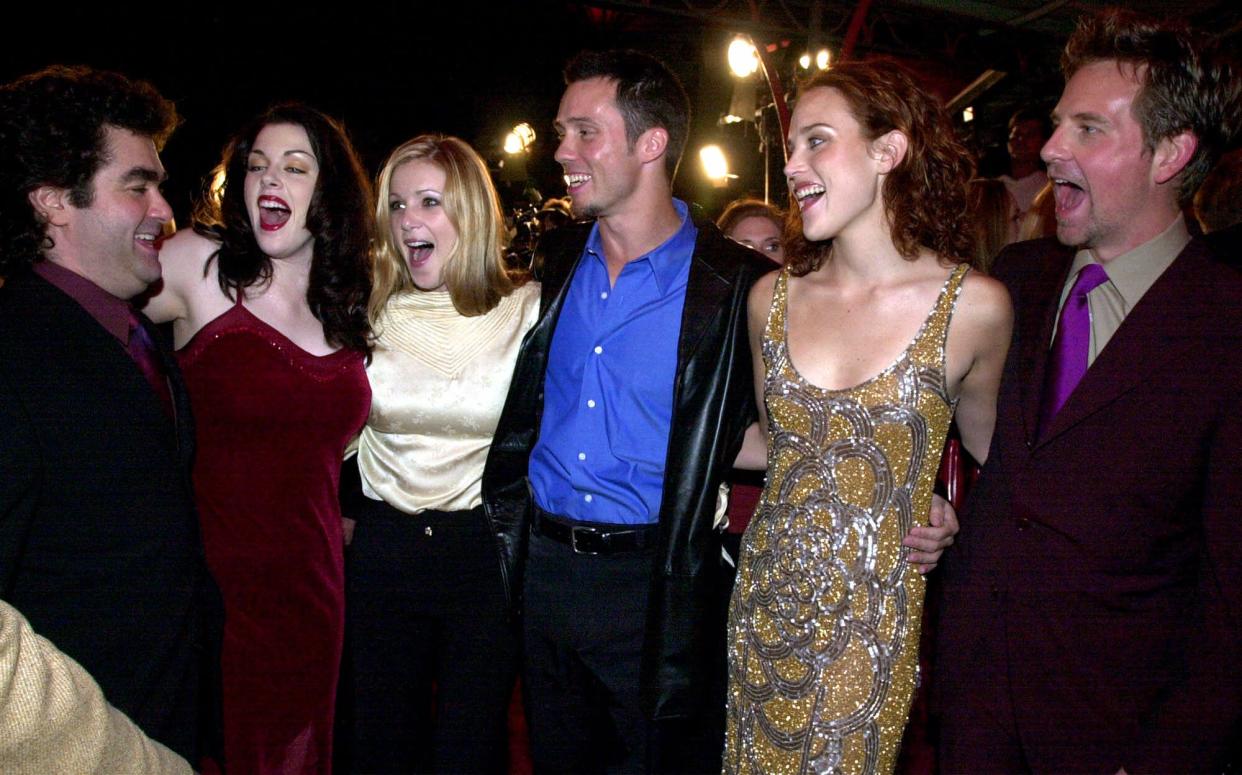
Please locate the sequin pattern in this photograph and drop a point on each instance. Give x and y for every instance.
(824, 621)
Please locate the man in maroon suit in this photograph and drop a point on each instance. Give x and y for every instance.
(1092, 616)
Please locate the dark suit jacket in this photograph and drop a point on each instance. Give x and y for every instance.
(99, 542)
(713, 403)
(1100, 565)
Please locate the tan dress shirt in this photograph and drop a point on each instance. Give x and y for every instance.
(1129, 277)
(438, 384)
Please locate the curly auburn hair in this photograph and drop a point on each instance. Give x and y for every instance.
(53, 130)
(925, 194)
(339, 219)
(1183, 84)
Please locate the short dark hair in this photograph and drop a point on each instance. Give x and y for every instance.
(648, 95)
(1183, 86)
(339, 219)
(53, 129)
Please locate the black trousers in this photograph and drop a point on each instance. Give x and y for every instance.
(584, 628)
(434, 653)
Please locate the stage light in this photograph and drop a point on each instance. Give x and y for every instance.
(715, 165)
(743, 59)
(520, 138)
(823, 59)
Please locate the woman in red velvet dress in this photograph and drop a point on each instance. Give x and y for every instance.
(268, 298)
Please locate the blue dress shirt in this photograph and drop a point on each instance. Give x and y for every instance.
(608, 393)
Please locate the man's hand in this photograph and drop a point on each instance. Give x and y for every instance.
(930, 542)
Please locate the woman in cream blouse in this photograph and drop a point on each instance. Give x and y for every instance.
(426, 600)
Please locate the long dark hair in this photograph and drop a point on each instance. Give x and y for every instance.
(339, 219)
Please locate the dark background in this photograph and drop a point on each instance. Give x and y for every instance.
(391, 70)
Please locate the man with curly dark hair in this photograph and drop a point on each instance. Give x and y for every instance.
(1093, 612)
(99, 543)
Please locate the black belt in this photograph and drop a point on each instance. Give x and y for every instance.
(592, 538)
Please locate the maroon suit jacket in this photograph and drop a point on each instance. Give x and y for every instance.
(1099, 567)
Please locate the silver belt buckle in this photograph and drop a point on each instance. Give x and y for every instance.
(574, 531)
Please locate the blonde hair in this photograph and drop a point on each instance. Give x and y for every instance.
(474, 270)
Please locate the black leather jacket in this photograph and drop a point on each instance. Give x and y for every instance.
(713, 404)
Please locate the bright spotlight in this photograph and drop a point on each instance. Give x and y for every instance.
(525, 133)
(823, 59)
(804, 61)
(715, 165)
(519, 138)
(968, 115)
(743, 59)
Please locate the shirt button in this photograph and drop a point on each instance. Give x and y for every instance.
(598, 349)
(603, 294)
(582, 456)
(591, 403)
(587, 498)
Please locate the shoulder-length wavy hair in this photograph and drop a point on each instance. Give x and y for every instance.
(925, 194)
(474, 271)
(339, 220)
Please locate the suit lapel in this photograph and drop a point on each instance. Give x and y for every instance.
(1035, 333)
(1154, 332)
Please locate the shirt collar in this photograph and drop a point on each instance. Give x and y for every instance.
(1133, 272)
(666, 260)
(109, 311)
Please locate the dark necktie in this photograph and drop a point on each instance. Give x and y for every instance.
(143, 350)
(1067, 360)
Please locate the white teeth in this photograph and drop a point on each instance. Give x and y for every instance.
(416, 244)
(576, 179)
(272, 206)
(808, 191)
(145, 237)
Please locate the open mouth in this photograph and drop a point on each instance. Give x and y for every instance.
(274, 213)
(808, 195)
(148, 242)
(1068, 195)
(418, 251)
(576, 180)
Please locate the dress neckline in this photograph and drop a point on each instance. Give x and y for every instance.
(958, 271)
(271, 330)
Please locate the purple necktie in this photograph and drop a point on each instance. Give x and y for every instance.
(1067, 361)
(142, 349)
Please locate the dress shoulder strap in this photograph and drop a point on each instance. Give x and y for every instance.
(775, 330)
(930, 347)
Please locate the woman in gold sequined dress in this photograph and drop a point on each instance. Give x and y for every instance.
(858, 373)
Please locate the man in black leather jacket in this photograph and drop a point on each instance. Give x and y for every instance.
(679, 691)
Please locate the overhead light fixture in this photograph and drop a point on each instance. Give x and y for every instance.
(743, 58)
(715, 165)
(519, 138)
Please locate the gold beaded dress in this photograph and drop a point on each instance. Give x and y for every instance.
(824, 620)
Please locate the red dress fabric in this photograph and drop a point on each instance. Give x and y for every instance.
(272, 424)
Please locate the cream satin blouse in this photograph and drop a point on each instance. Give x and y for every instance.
(438, 384)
